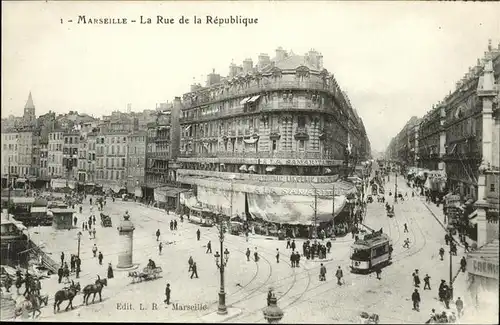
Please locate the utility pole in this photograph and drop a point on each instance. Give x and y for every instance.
(396, 188)
(8, 195)
(315, 233)
(333, 211)
(451, 267)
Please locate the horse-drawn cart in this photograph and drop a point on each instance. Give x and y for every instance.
(106, 220)
(147, 274)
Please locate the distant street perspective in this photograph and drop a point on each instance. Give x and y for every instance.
(256, 197)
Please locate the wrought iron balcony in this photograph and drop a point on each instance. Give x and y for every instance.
(301, 134)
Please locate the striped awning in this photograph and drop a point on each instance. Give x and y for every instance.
(244, 100)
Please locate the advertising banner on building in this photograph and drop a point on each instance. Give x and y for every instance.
(220, 200)
(293, 209)
(58, 183)
(138, 192)
(160, 195)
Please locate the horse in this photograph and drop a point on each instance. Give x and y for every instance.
(94, 288)
(66, 294)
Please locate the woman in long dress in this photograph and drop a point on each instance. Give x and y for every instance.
(110, 271)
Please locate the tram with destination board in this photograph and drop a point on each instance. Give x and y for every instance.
(373, 250)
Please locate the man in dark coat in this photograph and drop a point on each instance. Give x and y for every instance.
(328, 246)
(110, 271)
(194, 270)
(288, 245)
(427, 283)
(175, 224)
(198, 233)
(277, 255)
(60, 273)
(441, 289)
(62, 257)
(269, 296)
(158, 235)
(100, 257)
(209, 247)
(171, 225)
(292, 259)
(292, 246)
(415, 297)
(463, 263)
(167, 294)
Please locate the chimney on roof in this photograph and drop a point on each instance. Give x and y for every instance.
(320, 61)
(313, 57)
(212, 78)
(247, 65)
(233, 70)
(489, 45)
(280, 54)
(263, 61)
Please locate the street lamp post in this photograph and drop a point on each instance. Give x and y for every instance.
(221, 262)
(333, 211)
(396, 188)
(79, 239)
(451, 267)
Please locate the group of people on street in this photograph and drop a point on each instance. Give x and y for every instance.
(310, 251)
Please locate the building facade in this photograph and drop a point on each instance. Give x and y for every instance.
(9, 153)
(136, 160)
(111, 155)
(460, 137)
(55, 154)
(283, 126)
(25, 149)
(91, 157)
(70, 154)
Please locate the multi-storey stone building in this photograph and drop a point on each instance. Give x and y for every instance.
(25, 148)
(9, 155)
(403, 147)
(136, 160)
(91, 156)
(70, 154)
(111, 155)
(460, 136)
(283, 128)
(55, 154)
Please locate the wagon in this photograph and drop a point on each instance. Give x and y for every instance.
(146, 274)
(106, 221)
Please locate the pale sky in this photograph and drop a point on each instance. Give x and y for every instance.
(393, 59)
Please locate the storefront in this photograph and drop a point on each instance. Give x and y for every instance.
(482, 268)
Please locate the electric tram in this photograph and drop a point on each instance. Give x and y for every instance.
(371, 251)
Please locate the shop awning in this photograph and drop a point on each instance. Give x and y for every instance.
(38, 209)
(253, 99)
(484, 260)
(328, 170)
(251, 168)
(243, 168)
(243, 101)
(250, 141)
(270, 168)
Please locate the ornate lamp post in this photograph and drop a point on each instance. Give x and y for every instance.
(272, 313)
(221, 262)
(79, 235)
(396, 188)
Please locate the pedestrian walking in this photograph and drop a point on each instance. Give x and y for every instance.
(463, 264)
(72, 263)
(415, 298)
(277, 255)
(158, 235)
(194, 270)
(190, 263)
(60, 274)
(293, 246)
(297, 259)
(94, 250)
(427, 283)
(406, 228)
(248, 254)
(460, 306)
(288, 244)
(441, 253)
(100, 257)
(292, 259)
(447, 239)
(378, 271)
(75, 220)
(447, 296)
(160, 247)
(339, 274)
(110, 271)
(175, 224)
(93, 232)
(171, 225)
(167, 294)
(198, 233)
(78, 266)
(256, 255)
(62, 257)
(209, 247)
(322, 272)
(328, 246)
(406, 243)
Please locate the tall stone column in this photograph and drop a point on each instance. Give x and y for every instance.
(486, 91)
(126, 236)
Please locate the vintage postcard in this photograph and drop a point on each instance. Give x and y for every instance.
(250, 162)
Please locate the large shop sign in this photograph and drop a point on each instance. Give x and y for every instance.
(483, 268)
(298, 162)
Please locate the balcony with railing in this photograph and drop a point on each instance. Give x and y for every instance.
(301, 133)
(261, 154)
(258, 88)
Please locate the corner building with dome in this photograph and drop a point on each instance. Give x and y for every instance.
(270, 141)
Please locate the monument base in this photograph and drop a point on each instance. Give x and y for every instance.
(127, 268)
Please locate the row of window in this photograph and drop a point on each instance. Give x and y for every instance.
(55, 136)
(109, 140)
(111, 162)
(110, 150)
(71, 140)
(111, 174)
